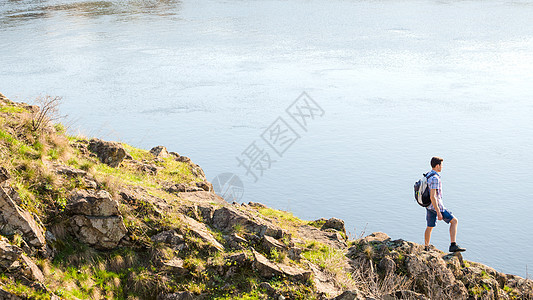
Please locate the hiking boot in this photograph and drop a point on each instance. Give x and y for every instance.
(456, 248)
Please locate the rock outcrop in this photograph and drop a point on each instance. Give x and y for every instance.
(270, 269)
(433, 274)
(165, 234)
(160, 152)
(96, 219)
(14, 219)
(227, 219)
(13, 260)
(110, 153)
(201, 231)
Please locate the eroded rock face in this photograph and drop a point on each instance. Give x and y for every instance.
(227, 218)
(69, 171)
(169, 237)
(200, 231)
(335, 223)
(269, 269)
(160, 151)
(435, 274)
(193, 187)
(96, 219)
(174, 265)
(99, 232)
(196, 170)
(331, 238)
(14, 219)
(14, 261)
(270, 243)
(110, 153)
(92, 203)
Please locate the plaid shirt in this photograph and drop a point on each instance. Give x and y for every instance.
(435, 183)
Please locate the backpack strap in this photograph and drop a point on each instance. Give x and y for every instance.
(425, 175)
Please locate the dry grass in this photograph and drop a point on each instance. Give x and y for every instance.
(333, 262)
(370, 283)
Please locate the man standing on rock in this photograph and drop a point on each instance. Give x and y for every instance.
(435, 186)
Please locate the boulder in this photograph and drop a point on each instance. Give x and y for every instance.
(269, 269)
(336, 224)
(204, 185)
(201, 231)
(266, 268)
(96, 219)
(138, 197)
(14, 261)
(110, 153)
(182, 187)
(14, 219)
(181, 158)
(92, 203)
(169, 237)
(239, 258)
(174, 265)
(69, 171)
(160, 151)
(416, 266)
(197, 171)
(228, 218)
(257, 205)
(376, 237)
(101, 232)
(269, 243)
(333, 239)
(295, 253)
(148, 168)
(235, 241)
(324, 283)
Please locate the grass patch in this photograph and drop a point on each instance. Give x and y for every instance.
(317, 223)
(12, 109)
(281, 216)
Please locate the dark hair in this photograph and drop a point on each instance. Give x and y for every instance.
(435, 161)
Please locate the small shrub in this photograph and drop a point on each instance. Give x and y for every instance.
(48, 112)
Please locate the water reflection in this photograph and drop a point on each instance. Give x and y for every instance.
(14, 12)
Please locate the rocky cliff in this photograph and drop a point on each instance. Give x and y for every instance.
(90, 219)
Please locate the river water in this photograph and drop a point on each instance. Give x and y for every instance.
(389, 84)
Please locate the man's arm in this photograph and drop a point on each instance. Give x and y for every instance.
(435, 202)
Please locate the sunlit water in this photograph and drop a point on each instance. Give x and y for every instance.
(399, 82)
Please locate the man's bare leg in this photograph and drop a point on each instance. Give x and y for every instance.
(453, 229)
(427, 235)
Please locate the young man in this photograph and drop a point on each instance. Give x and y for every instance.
(441, 213)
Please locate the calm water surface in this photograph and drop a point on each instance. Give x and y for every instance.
(399, 82)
